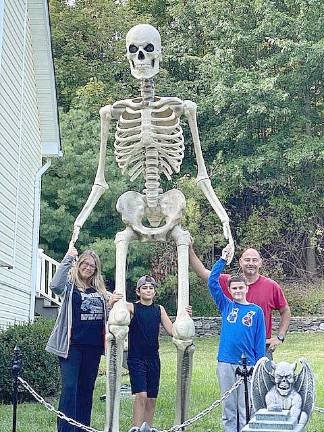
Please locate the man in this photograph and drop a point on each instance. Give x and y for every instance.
(263, 291)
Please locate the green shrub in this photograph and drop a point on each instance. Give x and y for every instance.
(40, 369)
(200, 299)
(304, 298)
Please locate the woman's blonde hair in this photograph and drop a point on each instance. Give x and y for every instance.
(96, 281)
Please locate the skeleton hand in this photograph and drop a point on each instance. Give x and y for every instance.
(228, 236)
(188, 309)
(114, 298)
(72, 251)
(227, 252)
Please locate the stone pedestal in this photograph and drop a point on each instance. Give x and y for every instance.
(272, 421)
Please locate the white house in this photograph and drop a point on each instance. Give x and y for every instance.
(29, 137)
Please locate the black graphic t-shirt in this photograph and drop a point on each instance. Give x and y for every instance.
(87, 318)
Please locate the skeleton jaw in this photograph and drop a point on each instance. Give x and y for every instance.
(144, 69)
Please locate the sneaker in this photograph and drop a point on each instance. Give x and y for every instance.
(134, 429)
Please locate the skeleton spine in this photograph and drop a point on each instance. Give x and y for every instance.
(147, 90)
(152, 177)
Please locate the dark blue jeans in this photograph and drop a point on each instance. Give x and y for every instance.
(78, 373)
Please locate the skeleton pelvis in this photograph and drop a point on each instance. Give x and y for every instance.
(135, 212)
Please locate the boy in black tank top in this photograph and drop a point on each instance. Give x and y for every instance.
(143, 350)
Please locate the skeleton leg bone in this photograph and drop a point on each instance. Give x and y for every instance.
(119, 320)
(183, 328)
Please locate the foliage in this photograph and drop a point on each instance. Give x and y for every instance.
(305, 299)
(40, 369)
(255, 71)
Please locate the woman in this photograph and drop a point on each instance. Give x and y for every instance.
(79, 332)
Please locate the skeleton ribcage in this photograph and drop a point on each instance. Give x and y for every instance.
(149, 141)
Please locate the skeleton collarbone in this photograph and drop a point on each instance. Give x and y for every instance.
(149, 140)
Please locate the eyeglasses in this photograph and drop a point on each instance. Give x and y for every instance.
(87, 264)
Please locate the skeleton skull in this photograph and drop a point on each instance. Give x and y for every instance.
(143, 44)
(284, 374)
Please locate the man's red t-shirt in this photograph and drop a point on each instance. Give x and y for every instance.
(264, 292)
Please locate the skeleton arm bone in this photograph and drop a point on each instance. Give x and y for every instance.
(203, 181)
(100, 184)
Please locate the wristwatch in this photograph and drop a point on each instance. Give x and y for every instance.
(281, 337)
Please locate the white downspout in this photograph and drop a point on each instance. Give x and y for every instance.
(37, 196)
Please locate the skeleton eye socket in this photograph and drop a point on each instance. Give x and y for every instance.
(132, 49)
(149, 48)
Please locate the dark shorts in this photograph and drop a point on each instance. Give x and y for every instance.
(145, 375)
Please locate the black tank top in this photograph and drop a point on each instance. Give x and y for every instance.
(144, 328)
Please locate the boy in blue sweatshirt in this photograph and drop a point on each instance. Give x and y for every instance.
(242, 331)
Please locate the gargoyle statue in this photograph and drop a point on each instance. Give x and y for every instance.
(278, 387)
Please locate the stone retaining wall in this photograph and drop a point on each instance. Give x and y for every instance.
(209, 326)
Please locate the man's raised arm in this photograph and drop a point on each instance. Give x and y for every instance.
(197, 266)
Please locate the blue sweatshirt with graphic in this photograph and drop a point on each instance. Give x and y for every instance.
(243, 327)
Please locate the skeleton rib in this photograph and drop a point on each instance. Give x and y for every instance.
(171, 129)
(166, 166)
(126, 120)
(159, 119)
(166, 101)
(140, 169)
(167, 137)
(132, 130)
(128, 139)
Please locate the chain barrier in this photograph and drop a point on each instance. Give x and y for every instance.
(90, 429)
(318, 409)
(206, 411)
(52, 409)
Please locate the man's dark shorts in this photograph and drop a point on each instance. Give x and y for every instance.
(145, 375)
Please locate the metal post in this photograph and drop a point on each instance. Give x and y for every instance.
(244, 372)
(15, 370)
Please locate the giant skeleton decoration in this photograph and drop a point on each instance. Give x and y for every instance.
(149, 141)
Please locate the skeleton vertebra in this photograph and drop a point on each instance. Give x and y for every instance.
(149, 142)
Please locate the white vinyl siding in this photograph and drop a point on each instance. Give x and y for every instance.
(1, 26)
(20, 147)
(28, 130)
(10, 118)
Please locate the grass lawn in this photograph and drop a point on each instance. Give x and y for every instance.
(33, 417)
